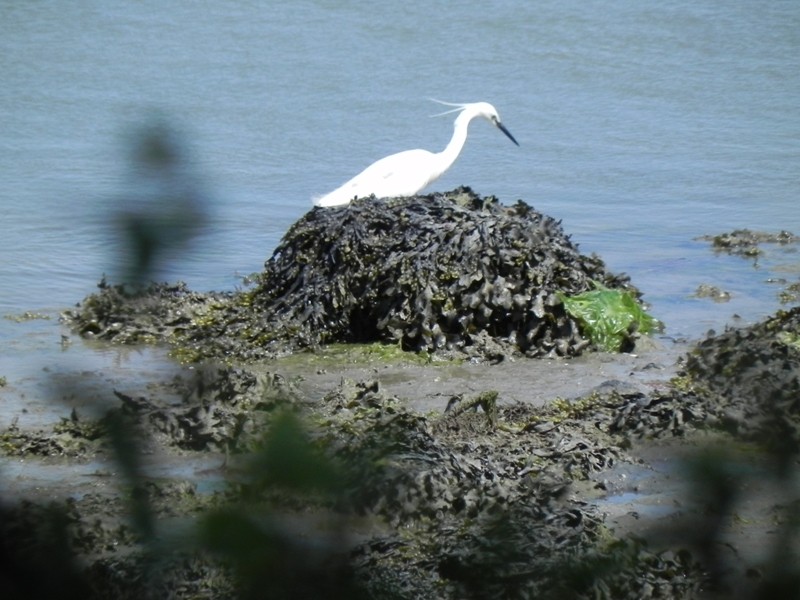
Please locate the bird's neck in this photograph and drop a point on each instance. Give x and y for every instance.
(449, 155)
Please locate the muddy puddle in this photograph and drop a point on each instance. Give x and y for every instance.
(725, 501)
(429, 385)
(55, 478)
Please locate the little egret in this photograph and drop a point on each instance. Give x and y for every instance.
(407, 173)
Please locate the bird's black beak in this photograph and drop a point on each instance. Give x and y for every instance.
(502, 128)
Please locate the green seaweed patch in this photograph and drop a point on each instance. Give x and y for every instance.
(81, 429)
(186, 355)
(16, 442)
(574, 409)
(789, 338)
(336, 355)
(790, 295)
(27, 316)
(687, 384)
(559, 410)
(610, 318)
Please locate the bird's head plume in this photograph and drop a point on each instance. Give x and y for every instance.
(458, 107)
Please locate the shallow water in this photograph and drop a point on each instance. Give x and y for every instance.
(641, 126)
(44, 480)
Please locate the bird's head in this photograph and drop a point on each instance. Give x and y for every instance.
(489, 112)
(478, 109)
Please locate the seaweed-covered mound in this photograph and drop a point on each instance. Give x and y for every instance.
(752, 379)
(745, 381)
(481, 503)
(444, 273)
(441, 272)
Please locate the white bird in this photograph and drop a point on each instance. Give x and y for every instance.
(407, 173)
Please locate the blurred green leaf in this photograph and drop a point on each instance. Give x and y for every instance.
(288, 459)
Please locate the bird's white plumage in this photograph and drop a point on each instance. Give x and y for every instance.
(407, 173)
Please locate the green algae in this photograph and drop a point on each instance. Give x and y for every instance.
(609, 317)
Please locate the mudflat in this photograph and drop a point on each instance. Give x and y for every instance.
(436, 456)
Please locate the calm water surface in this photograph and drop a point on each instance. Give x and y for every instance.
(642, 126)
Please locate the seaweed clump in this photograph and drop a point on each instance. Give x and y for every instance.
(438, 273)
(743, 242)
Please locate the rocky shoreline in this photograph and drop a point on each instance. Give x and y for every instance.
(430, 457)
